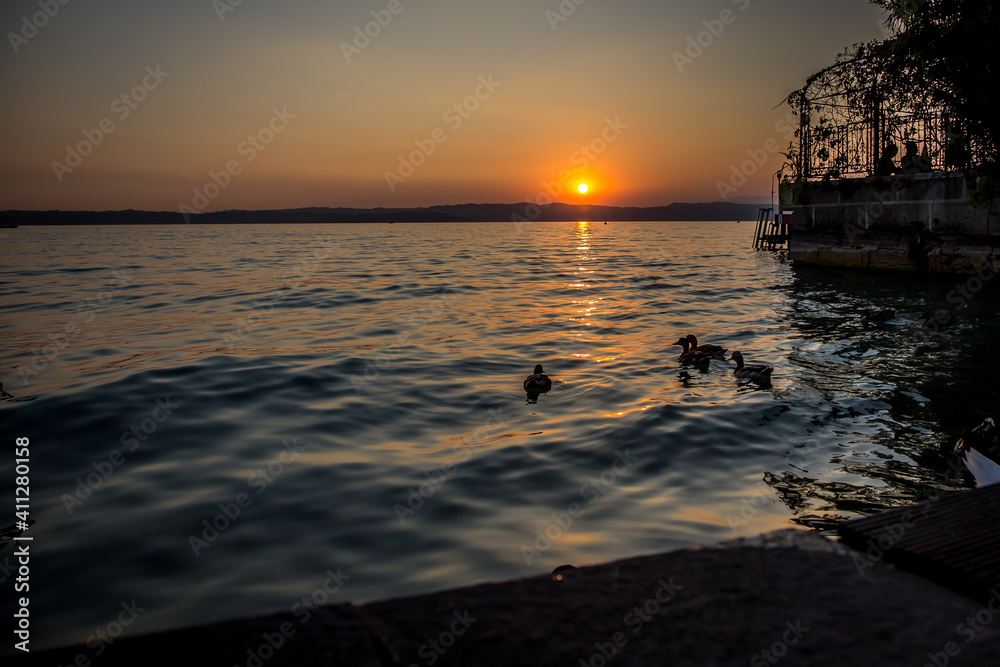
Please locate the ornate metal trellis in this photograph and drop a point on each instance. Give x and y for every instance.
(852, 125)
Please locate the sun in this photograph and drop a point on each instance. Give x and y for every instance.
(583, 187)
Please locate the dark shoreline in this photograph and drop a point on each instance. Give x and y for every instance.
(893, 590)
(792, 593)
(521, 212)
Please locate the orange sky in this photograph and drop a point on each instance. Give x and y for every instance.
(281, 105)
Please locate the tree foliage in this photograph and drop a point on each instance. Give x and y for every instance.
(942, 54)
(937, 60)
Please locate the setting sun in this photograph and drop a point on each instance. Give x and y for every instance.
(583, 188)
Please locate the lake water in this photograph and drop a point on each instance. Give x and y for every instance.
(354, 391)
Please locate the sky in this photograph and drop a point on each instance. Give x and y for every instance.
(205, 105)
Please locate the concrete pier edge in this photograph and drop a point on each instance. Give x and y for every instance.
(790, 596)
(924, 222)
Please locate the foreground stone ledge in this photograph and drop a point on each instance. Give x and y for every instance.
(791, 593)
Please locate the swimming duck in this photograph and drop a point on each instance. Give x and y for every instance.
(538, 382)
(981, 448)
(692, 357)
(758, 373)
(878, 315)
(716, 351)
(983, 437)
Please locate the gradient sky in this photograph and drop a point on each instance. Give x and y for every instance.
(558, 89)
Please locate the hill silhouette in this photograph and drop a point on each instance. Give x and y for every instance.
(524, 211)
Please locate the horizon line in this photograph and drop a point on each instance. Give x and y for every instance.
(374, 208)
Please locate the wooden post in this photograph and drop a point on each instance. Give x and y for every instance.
(760, 233)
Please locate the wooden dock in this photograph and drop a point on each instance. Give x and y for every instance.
(771, 232)
(953, 540)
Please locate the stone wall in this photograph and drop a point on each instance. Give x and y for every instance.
(916, 222)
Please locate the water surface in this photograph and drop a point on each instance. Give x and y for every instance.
(355, 392)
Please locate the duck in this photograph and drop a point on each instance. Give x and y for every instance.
(983, 437)
(716, 351)
(538, 382)
(758, 373)
(981, 449)
(878, 315)
(3, 393)
(692, 357)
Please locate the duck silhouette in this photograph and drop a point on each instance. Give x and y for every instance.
(538, 382)
(758, 373)
(692, 357)
(981, 449)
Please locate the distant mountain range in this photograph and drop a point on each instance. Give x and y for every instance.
(455, 213)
